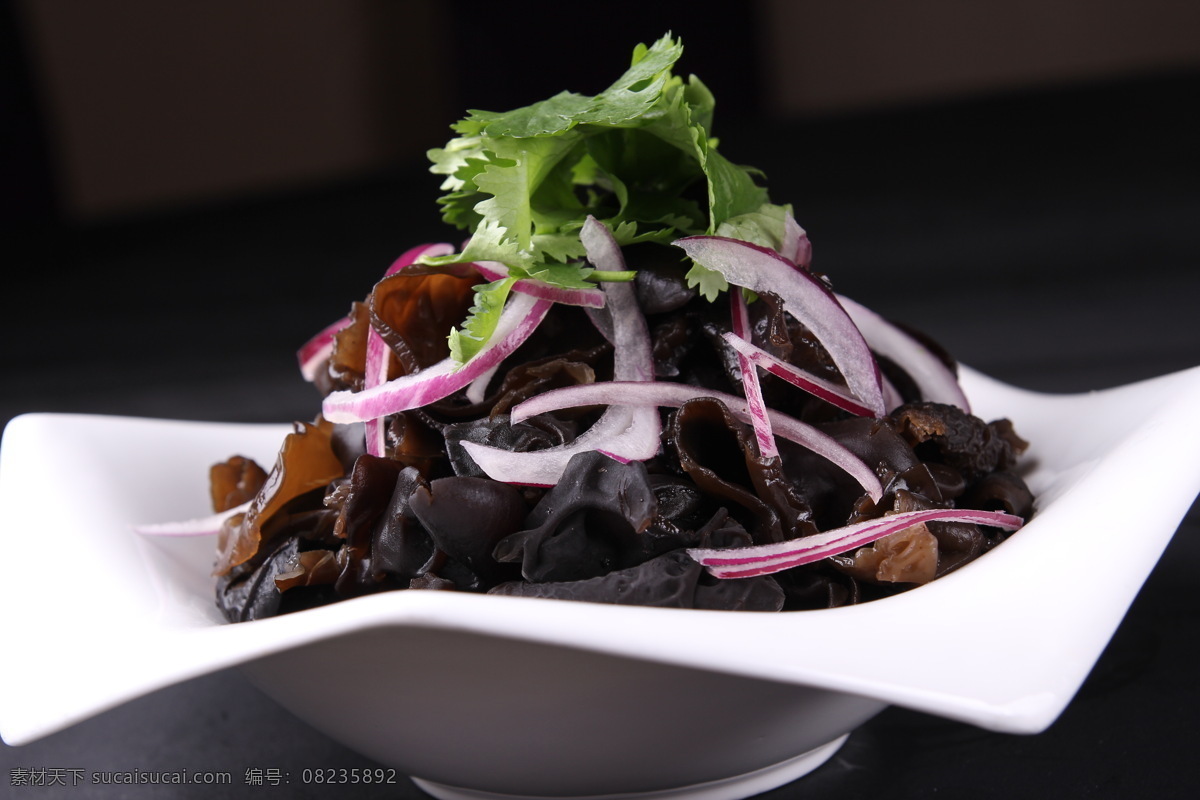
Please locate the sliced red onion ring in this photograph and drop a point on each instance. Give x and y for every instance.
(806, 298)
(633, 359)
(477, 390)
(740, 316)
(674, 395)
(748, 562)
(201, 526)
(379, 355)
(623, 432)
(379, 358)
(588, 298)
(601, 318)
(796, 247)
(891, 395)
(317, 350)
(829, 392)
(935, 380)
(410, 256)
(521, 316)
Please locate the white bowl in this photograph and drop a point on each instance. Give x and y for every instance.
(563, 699)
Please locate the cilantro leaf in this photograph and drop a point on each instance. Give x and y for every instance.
(546, 118)
(732, 191)
(565, 275)
(639, 156)
(631, 96)
(481, 321)
(763, 226)
(708, 282)
(562, 248)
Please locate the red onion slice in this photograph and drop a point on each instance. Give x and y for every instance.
(806, 298)
(747, 562)
(740, 316)
(410, 256)
(201, 526)
(633, 359)
(521, 316)
(379, 355)
(819, 387)
(934, 379)
(477, 390)
(316, 350)
(313, 353)
(379, 358)
(674, 395)
(622, 432)
(796, 247)
(603, 322)
(891, 395)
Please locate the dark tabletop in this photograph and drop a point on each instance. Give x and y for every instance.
(1050, 239)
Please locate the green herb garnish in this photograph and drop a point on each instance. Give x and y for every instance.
(639, 157)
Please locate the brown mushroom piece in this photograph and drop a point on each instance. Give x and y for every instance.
(946, 434)
(305, 463)
(415, 309)
(718, 453)
(234, 481)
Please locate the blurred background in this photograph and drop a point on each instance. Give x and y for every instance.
(189, 190)
(129, 106)
(180, 177)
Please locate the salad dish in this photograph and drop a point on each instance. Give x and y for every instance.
(1002, 643)
(612, 495)
(630, 385)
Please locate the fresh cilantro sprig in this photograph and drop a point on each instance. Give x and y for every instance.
(481, 320)
(639, 157)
